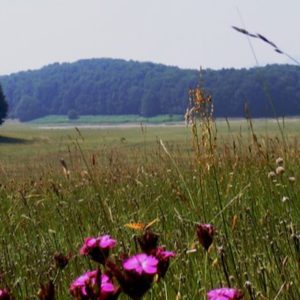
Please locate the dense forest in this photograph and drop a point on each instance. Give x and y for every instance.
(114, 87)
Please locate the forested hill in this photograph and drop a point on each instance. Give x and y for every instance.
(112, 87)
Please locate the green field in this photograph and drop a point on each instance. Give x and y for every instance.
(59, 186)
(106, 119)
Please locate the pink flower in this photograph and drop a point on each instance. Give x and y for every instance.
(107, 242)
(148, 241)
(141, 264)
(91, 284)
(225, 294)
(137, 275)
(106, 285)
(98, 247)
(205, 233)
(4, 295)
(163, 254)
(163, 257)
(102, 242)
(79, 285)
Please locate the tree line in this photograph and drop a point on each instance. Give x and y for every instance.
(115, 87)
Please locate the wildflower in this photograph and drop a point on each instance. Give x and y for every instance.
(280, 170)
(98, 248)
(279, 161)
(164, 254)
(108, 291)
(163, 257)
(81, 285)
(137, 275)
(5, 295)
(285, 198)
(93, 285)
(141, 264)
(205, 233)
(61, 260)
(148, 242)
(47, 291)
(224, 294)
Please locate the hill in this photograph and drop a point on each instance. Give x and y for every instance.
(118, 87)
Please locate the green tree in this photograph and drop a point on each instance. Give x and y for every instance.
(111, 86)
(27, 109)
(3, 106)
(149, 105)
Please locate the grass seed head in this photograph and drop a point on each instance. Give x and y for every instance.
(279, 161)
(280, 170)
(271, 175)
(292, 179)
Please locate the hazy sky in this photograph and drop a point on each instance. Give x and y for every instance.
(185, 33)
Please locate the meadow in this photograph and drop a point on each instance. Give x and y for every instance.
(59, 186)
(106, 119)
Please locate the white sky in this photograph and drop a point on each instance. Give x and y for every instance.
(185, 33)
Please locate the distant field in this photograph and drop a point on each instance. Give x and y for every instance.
(234, 124)
(58, 119)
(31, 146)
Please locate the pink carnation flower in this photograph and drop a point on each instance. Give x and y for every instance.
(205, 233)
(163, 254)
(148, 241)
(163, 257)
(107, 242)
(106, 285)
(102, 242)
(98, 247)
(80, 284)
(224, 294)
(141, 264)
(4, 294)
(86, 284)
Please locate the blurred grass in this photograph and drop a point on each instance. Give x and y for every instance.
(116, 176)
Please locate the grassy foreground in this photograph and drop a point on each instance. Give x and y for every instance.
(112, 177)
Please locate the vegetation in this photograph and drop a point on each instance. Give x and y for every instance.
(107, 119)
(117, 87)
(72, 114)
(3, 106)
(240, 176)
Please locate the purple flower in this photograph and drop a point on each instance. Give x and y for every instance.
(107, 242)
(163, 257)
(5, 295)
(61, 260)
(163, 254)
(80, 286)
(106, 285)
(137, 275)
(98, 247)
(225, 294)
(93, 285)
(47, 291)
(102, 242)
(141, 264)
(148, 241)
(205, 233)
